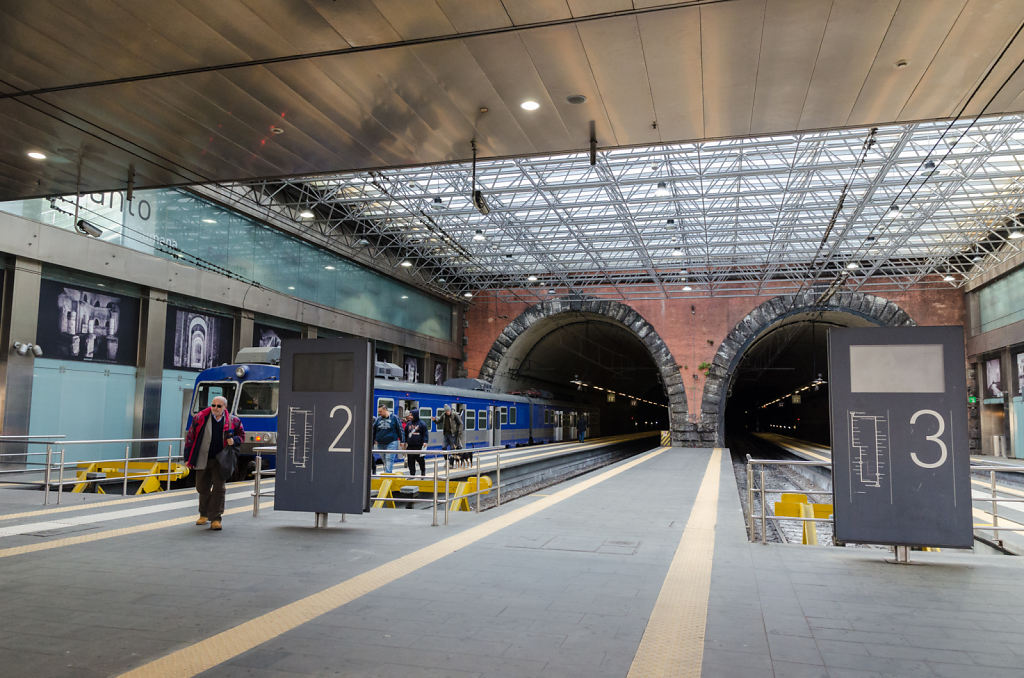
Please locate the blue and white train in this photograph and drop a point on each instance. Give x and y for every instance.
(490, 419)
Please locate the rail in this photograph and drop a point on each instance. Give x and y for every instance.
(448, 500)
(760, 489)
(48, 467)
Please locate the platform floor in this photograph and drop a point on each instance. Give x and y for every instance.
(641, 568)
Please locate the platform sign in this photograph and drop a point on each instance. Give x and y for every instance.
(323, 438)
(900, 461)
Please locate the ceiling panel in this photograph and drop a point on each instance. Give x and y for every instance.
(475, 15)
(536, 11)
(730, 44)
(852, 38)
(675, 74)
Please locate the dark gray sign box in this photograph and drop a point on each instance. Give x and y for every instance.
(323, 434)
(900, 462)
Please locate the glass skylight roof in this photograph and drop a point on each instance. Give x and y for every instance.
(741, 216)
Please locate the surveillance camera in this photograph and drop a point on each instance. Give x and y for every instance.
(37, 350)
(85, 227)
(22, 349)
(480, 203)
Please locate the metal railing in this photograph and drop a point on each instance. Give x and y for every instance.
(49, 466)
(763, 491)
(443, 455)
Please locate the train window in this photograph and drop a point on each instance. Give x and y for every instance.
(482, 419)
(504, 416)
(471, 420)
(425, 415)
(512, 415)
(208, 390)
(388, 403)
(258, 398)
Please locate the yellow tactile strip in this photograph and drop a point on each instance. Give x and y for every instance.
(218, 649)
(119, 532)
(673, 643)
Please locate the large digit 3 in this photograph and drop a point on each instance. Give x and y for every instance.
(934, 438)
(334, 446)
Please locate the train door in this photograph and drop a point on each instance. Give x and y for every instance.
(556, 425)
(500, 421)
(460, 410)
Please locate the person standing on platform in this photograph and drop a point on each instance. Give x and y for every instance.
(416, 433)
(387, 435)
(210, 449)
(581, 426)
(450, 424)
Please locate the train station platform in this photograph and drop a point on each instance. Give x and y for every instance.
(641, 568)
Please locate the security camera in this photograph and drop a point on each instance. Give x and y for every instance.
(37, 350)
(83, 226)
(22, 349)
(480, 203)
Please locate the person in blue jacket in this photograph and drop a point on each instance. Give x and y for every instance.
(387, 435)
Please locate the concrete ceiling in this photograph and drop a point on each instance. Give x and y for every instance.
(184, 91)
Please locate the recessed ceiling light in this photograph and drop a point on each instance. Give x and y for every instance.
(328, 267)
(209, 221)
(406, 263)
(306, 214)
(467, 294)
(36, 155)
(902, 63)
(853, 265)
(531, 278)
(529, 105)
(576, 98)
(274, 129)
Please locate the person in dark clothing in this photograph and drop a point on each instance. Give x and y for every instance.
(416, 433)
(210, 446)
(387, 435)
(581, 427)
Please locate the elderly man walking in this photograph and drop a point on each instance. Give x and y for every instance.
(450, 424)
(210, 449)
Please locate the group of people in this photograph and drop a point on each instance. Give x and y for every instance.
(389, 433)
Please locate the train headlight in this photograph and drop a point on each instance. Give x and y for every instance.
(241, 371)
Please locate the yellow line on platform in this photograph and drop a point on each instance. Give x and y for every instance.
(223, 646)
(673, 643)
(108, 534)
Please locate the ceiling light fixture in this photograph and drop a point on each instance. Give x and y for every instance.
(291, 287)
(438, 204)
(853, 265)
(662, 190)
(479, 236)
(948, 278)
(467, 294)
(405, 263)
(529, 105)
(478, 196)
(306, 214)
(328, 267)
(687, 288)
(209, 221)
(405, 296)
(576, 98)
(36, 155)
(1016, 234)
(531, 278)
(677, 252)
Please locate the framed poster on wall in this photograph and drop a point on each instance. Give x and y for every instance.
(993, 379)
(1019, 362)
(196, 341)
(79, 323)
(267, 336)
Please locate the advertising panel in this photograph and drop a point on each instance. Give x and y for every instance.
(79, 323)
(196, 341)
(265, 336)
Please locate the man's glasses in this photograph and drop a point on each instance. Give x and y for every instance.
(217, 406)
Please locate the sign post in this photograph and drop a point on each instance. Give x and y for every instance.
(323, 433)
(900, 461)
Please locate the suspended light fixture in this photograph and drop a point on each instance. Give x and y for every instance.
(662, 190)
(479, 236)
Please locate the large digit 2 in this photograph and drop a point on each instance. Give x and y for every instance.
(334, 446)
(934, 438)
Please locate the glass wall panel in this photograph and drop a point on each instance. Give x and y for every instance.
(85, 402)
(175, 393)
(175, 224)
(1002, 302)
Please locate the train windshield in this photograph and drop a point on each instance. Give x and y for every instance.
(258, 398)
(206, 391)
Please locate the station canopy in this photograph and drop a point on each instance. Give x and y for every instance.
(882, 209)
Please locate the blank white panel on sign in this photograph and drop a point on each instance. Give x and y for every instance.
(897, 368)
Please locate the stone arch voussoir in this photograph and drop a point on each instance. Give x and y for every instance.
(877, 310)
(683, 433)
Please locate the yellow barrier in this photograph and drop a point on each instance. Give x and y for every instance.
(155, 472)
(666, 438)
(796, 506)
(458, 490)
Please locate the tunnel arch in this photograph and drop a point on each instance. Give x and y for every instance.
(875, 310)
(540, 319)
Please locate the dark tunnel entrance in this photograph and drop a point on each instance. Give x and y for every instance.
(781, 382)
(588, 360)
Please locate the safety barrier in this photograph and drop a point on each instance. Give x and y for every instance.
(457, 493)
(996, 500)
(807, 520)
(131, 468)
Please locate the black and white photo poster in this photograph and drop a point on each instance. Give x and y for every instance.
(78, 323)
(993, 379)
(265, 336)
(196, 341)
